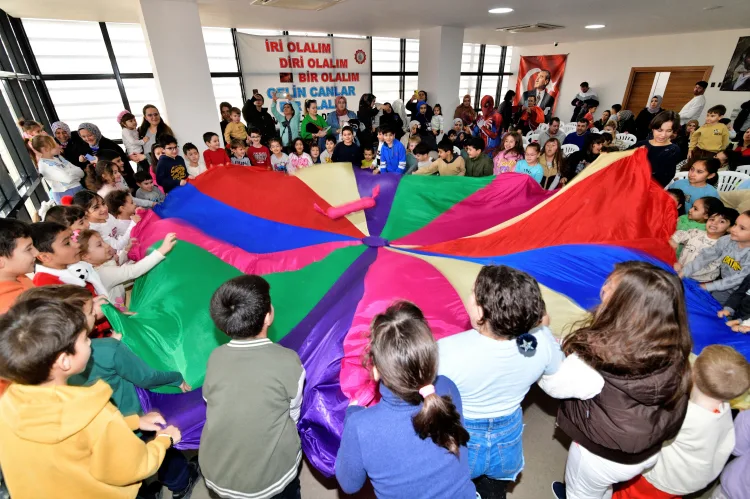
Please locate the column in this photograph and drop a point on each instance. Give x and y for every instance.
(440, 50)
(172, 29)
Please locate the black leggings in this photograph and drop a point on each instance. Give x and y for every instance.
(488, 488)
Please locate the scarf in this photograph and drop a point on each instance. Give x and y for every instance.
(59, 125)
(345, 111)
(93, 130)
(624, 115)
(657, 109)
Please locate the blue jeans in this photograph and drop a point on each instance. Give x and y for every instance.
(496, 446)
(57, 196)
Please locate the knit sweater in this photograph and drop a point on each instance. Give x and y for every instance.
(235, 131)
(170, 172)
(218, 157)
(710, 137)
(380, 442)
(735, 264)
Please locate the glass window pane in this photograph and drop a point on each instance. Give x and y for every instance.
(489, 86)
(467, 85)
(386, 54)
(15, 175)
(67, 47)
(141, 91)
(508, 56)
(130, 48)
(220, 50)
(385, 88)
(228, 89)
(412, 55)
(470, 57)
(411, 84)
(94, 101)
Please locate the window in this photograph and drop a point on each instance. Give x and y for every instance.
(470, 57)
(386, 88)
(220, 50)
(483, 69)
(94, 101)
(141, 91)
(227, 89)
(67, 47)
(411, 56)
(129, 46)
(386, 55)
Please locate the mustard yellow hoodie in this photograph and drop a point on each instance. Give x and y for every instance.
(69, 441)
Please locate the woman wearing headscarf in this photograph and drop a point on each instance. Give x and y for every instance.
(391, 119)
(506, 109)
(91, 142)
(400, 110)
(626, 122)
(61, 132)
(339, 117)
(647, 114)
(465, 110)
(368, 109)
(152, 127)
(412, 105)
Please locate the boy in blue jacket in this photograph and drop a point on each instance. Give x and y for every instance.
(392, 154)
(171, 171)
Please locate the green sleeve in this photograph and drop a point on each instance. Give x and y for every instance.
(488, 167)
(132, 368)
(303, 128)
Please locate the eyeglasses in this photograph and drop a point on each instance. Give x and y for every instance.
(152, 115)
(171, 148)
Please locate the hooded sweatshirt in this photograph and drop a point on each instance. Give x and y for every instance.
(735, 264)
(456, 167)
(69, 441)
(9, 291)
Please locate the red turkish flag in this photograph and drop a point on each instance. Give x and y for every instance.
(533, 67)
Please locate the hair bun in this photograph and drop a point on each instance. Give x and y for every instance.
(526, 343)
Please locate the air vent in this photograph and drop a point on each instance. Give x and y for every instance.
(296, 4)
(530, 28)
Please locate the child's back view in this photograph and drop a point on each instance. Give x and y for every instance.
(253, 389)
(494, 365)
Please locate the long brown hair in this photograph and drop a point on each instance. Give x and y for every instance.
(641, 328)
(518, 148)
(405, 354)
(161, 129)
(557, 161)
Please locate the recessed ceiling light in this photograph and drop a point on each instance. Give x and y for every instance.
(714, 7)
(595, 26)
(501, 10)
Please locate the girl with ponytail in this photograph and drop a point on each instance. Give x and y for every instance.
(413, 443)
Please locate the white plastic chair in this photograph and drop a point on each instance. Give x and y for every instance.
(534, 137)
(744, 169)
(569, 128)
(627, 138)
(678, 176)
(728, 181)
(569, 149)
(680, 165)
(543, 127)
(595, 130)
(529, 134)
(525, 141)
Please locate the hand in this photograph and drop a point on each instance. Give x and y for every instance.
(116, 335)
(678, 267)
(703, 286)
(169, 241)
(173, 432)
(723, 313)
(680, 274)
(273, 95)
(153, 421)
(98, 302)
(690, 154)
(735, 322)
(183, 182)
(135, 218)
(741, 329)
(185, 387)
(81, 159)
(376, 171)
(146, 139)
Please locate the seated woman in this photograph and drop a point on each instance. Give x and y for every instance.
(90, 143)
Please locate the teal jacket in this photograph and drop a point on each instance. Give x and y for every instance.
(288, 130)
(113, 362)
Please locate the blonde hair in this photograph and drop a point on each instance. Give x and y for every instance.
(28, 125)
(40, 142)
(721, 372)
(416, 139)
(84, 238)
(611, 123)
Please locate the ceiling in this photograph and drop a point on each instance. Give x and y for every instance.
(404, 18)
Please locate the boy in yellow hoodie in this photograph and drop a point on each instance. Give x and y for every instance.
(65, 441)
(711, 138)
(17, 256)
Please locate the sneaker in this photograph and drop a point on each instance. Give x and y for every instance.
(558, 489)
(195, 473)
(150, 491)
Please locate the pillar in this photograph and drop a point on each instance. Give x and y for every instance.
(440, 50)
(174, 38)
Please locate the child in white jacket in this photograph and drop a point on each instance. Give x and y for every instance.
(63, 177)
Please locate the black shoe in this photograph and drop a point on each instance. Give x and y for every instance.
(150, 491)
(195, 473)
(558, 489)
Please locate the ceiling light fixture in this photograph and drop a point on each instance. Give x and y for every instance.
(713, 7)
(501, 10)
(595, 26)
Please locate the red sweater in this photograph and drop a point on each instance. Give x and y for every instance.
(259, 156)
(215, 158)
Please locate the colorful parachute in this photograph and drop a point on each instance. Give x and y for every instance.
(424, 241)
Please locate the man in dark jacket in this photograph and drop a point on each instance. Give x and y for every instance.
(257, 116)
(742, 121)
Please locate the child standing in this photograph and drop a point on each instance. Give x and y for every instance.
(347, 150)
(412, 443)
(701, 180)
(171, 171)
(530, 164)
(477, 163)
(250, 379)
(711, 138)
(235, 129)
(146, 190)
(494, 365)
(392, 154)
(279, 159)
(239, 151)
(437, 123)
(102, 221)
(130, 139)
(63, 177)
(448, 163)
(315, 153)
(625, 382)
(195, 164)
(215, 155)
(700, 212)
(505, 160)
(694, 241)
(733, 251)
(90, 449)
(258, 153)
(327, 155)
(702, 447)
(17, 258)
(298, 158)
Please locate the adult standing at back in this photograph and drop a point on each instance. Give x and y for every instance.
(257, 116)
(581, 102)
(543, 99)
(505, 109)
(225, 110)
(419, 95)
(741, 124)
(465, 110)
(368, 109)
(553, 132)
(152, 127)
(339, 117)
(663, 155)
(693, 110)
(646, 115)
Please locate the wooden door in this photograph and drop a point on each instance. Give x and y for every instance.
(678, 91)
(640, 91)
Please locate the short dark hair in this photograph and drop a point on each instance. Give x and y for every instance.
(583, 120)
(387, 130)
(65, 215)
(703, 84)
(511, 300)
(125, 118)
(712, 167)
(331, 138)
(33, 334)
(224, 104)
(422, 148)
(535, 145)
(584, 84)
(142, 176)
(718, 109)
(711, 205)
(116, 200)
(67, 293)
(87, 199)
(368, 148)
(728, 214)
(445, 145)
(253, 130)
(554, 119)
(617, 107)
(344, 129)
(240, 305)
(664, 117)
(680, 200)
(43, 234)
(167, 139)
(188, 146)
(208, 135)
(235, 143)
(107, 154)
(274, 139)
(11, 230)
(476, 142)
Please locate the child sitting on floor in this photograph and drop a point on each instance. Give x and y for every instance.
(368, 157)
(114, 232)
(412, 443)
(215, 155)
(701, 181)
(422, 155)
(693, 241)
(697, 455)
(494, 365)
(327, 155)
(699, 213)
(239, 151)
(530, 164)
(315, 153)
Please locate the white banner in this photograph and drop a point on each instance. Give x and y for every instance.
(306, 67)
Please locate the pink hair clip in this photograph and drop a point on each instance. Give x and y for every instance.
(75, 235)
(426, 391)
(122, 113)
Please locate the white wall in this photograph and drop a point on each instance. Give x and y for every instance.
(606, 64)
(440, 50)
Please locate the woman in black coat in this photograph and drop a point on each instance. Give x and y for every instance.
(506, 109)
(90, 141)
(367, 111)
(257, 116)
(647, 114)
